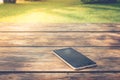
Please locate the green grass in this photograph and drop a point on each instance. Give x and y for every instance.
(59, 12)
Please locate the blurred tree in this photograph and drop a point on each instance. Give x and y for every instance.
(99, 1)
(9, 1)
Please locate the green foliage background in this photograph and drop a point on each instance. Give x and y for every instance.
(59, 11)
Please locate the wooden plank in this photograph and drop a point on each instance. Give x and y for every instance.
(61, 76)
(43, 59)
(60, 27)
(60, 39)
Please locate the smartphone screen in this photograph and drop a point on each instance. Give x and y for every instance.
(74, 59)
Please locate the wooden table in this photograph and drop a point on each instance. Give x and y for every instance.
(26, 51)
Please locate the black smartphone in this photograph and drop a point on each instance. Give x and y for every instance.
(74, 59)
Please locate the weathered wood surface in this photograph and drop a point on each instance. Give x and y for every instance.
(29, 47)
(43, 59)
(61, 76)
(60, 38)
(59, 27)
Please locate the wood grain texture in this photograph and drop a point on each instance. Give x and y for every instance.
(60, 39)
(59, 27)
(43, 59)
(29, 47)
(61, 76)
